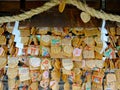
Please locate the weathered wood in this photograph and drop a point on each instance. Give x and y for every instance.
(9, 6)
(52, 17)
(113, 6)
(15, 5)
(22, 4)
(69, 18)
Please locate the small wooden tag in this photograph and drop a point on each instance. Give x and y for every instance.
(85, 17)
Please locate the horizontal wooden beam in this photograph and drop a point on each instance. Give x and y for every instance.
(15, 5)
(9, 6)
(112, 6)
(52, 17)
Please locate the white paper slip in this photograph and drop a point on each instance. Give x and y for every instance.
(103, 58)
(15, 27)
(17, 39)
(19, 52)
(19, 45)
(17, 33)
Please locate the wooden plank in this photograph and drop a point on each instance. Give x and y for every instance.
(94, 3)
(113, 6)
(33, 4)
(9, 6)
(22, 4)
(69, 17)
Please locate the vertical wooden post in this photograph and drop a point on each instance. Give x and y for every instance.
(22, 4)
(103, 4)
